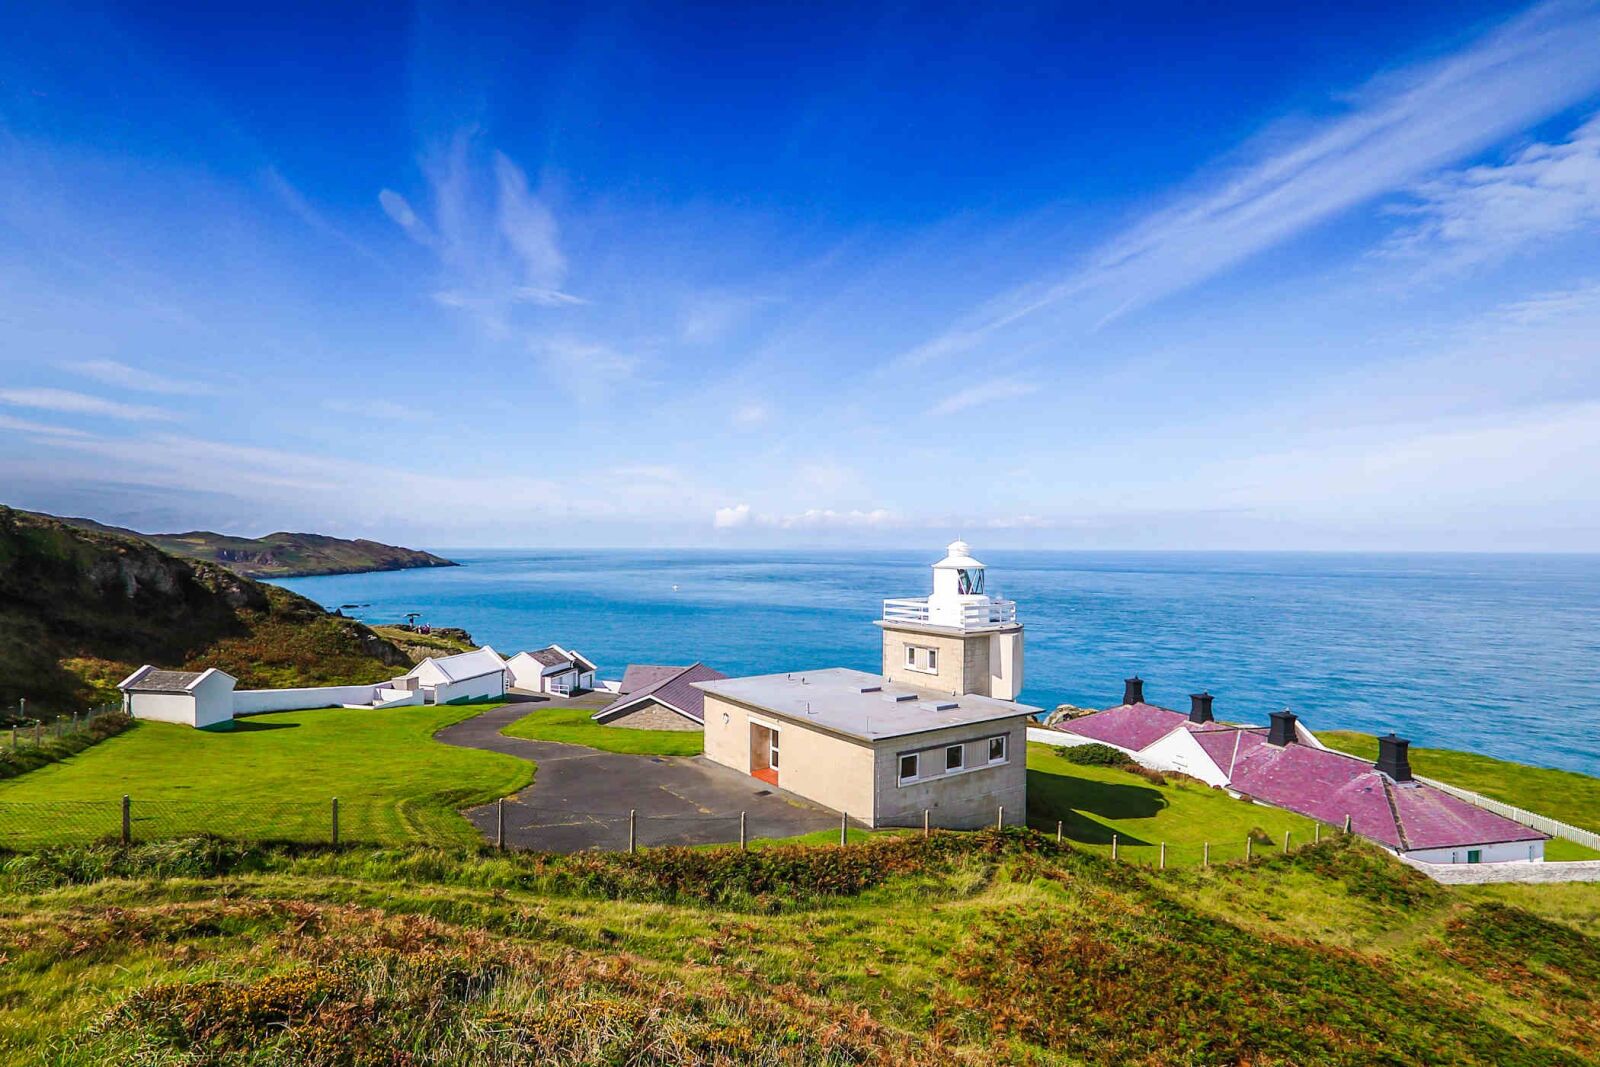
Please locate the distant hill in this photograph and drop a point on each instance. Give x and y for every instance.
(280, 555)
(80, 608)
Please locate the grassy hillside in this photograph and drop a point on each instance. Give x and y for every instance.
(1572, 798)
(80, 610)
(961, 949)
(279, 555)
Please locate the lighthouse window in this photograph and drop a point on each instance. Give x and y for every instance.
(969, 582)
(922, 660)
(933, 659)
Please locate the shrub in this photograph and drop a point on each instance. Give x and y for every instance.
(1095, 755)
(27, 757)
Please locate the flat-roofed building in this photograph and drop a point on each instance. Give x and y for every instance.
(881, 751)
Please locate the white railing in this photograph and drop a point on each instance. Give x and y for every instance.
(991, 612)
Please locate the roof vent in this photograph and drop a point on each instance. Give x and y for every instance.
(901, 698)
(1282, 731)
(1133, 690)
(870, 689)
(1393, 757)
(942, 705)
(1200, 708)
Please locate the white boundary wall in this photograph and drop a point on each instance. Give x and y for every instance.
(256, 701)
(1486, 873)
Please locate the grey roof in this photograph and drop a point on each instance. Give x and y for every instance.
(643, 675)
(862, 705)
(676, 690)
(158, 681)
(549, 657)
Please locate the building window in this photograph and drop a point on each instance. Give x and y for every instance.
(911, 656)
(933, 659)
(908, 768)
(1474, 855)
(922, 660)
(955, 757)
(997, 750)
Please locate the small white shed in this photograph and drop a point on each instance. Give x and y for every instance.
(202, 699)
(466, 676)
(554, 670)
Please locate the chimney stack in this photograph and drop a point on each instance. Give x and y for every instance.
(1282, 732)
(1200, 708)
(1393, 759)
(1133, 690)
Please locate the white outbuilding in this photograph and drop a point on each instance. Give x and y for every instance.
(553, 670)
(466, 676)
(202, 699)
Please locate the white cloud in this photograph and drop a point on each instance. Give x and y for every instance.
(749, 414)
(70, 403)
(585, 369)
(111, 372)
(40, 428)
(399, 209)
(731, 517)
(988, 393)
(378, 408)
(1402, 127)
(1489, 212)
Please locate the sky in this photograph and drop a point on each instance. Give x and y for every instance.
(1245, 276)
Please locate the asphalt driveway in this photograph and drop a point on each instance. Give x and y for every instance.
(580, 797)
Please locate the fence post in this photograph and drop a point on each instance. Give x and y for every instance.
(500, 824)
(1205, 854)
(741, 832)
(38, 733)
(1286, 841)
(924, 822)
(336, 820)
(1347, 823)
(1000, 817)
(1113, 846)
(633, 828)
(844, 828)
(127, 820)
(1163, 855)
(1058, 832)
(1249, 846)
(1316, 832)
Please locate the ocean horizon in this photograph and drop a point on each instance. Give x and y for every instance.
(1488, 652)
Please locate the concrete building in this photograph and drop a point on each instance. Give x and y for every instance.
(937, 732)
(203, 699)
(659, 698)
(552, 670)
(959, 639)
(1284, 765)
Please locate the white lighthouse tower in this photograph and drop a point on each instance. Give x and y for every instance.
(960, 639)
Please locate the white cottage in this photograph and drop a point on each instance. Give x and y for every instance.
(466, 676)
(553, 670)
(202, 699)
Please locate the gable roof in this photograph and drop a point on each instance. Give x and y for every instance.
(149, 679)
(464, 665)
(549, 657)
(672, 687)
(643, 675)
(1129, 726)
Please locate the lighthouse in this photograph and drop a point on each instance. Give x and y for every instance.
(959, 639)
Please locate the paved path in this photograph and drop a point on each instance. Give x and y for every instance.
(580, 796)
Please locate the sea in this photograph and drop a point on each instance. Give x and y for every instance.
(1492, 653)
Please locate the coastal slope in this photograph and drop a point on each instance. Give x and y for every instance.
(80, 609)
(279, 555)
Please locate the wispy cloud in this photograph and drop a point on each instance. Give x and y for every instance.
(585, 369)
(987, 393)
(68, 402)
(1401, 127)
(752, 413)
(27, 426)
(112, 372)
(497, 240)
(1489, 212)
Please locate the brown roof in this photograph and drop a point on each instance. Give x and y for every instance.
(672, 686)
(643, 675)
(549, 657)
(165, 682)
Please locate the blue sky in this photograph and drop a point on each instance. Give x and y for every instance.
(1049, 276)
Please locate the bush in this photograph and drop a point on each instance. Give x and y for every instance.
(1094, 755)
(27, 757)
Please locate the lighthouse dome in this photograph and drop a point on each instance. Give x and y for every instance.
(958, 557)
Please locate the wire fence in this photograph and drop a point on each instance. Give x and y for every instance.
(20, 726)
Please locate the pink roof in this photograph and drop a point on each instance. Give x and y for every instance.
(1129, 726)
(1330, 785)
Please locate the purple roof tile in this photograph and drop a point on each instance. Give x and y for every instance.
(1129, 726)
(673, 686)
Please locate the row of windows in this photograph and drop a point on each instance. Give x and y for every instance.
(916, 766)
(922, 659)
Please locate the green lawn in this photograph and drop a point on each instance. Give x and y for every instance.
(572, 725)
(1563, 795)
(271, 778)
(1092, 803)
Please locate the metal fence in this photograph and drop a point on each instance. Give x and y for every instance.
(22, 727)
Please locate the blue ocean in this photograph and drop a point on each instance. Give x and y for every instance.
(1498, 654)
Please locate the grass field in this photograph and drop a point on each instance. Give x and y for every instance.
(1093, 803)
(272, 777)
(571, 725)
(965, 950)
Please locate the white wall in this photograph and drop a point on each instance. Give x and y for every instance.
(256, 701)
(1507, 852)
(163, 707)
(209, 703)
(488, 687)
(1181, 753)
(213, 700)
(525, 672)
